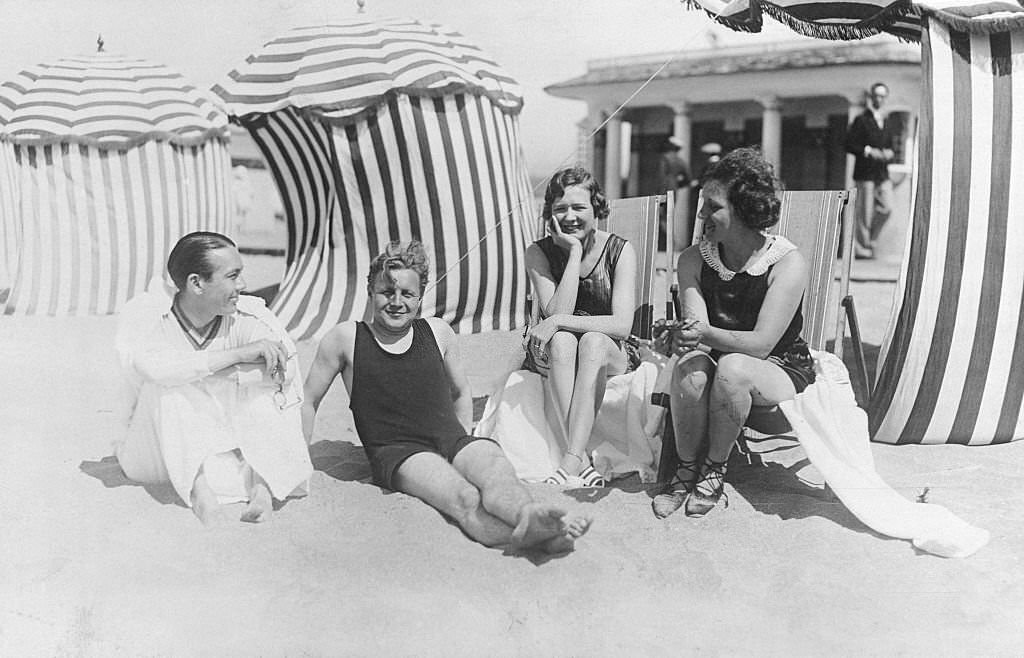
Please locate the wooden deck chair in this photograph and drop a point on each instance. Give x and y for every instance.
(814, 222)
(637, 220)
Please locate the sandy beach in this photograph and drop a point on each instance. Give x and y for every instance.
(94, 565)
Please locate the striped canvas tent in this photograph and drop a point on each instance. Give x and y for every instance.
(390, 130)
(952, 361)
(952, 370)
(105, 161)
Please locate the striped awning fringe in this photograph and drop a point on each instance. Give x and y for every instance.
(857, 19)
(852, 19)
(107, 101)
(987, 18)
(340, 73)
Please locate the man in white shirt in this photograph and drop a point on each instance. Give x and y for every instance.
(212, 387)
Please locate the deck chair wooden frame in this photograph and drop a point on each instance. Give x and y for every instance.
(637, 219)
(820, 224)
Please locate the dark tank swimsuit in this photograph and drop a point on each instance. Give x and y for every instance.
(402, 403)
(594, 294)
(734, 300)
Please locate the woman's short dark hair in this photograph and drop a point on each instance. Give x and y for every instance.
(401, 256)
(750, 186)
(569, 177)
(190, 256)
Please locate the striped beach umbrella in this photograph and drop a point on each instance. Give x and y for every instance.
(105, 161)
(390, 130)
(952, 361)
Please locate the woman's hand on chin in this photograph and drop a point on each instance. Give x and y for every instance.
(563, 240)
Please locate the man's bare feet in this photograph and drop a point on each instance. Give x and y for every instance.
(261, 504)
(204, 501)
(573, 529)
(544, 526)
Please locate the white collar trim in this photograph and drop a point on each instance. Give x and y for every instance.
(778, 246)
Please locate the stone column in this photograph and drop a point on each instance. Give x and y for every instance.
(681, 127)
(613, 158)
(682, 224)
(771, 131)
(584, 144)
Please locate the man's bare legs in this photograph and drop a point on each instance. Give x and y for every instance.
(204, 501)
(482, 494)
(261, 503)
(503, 496)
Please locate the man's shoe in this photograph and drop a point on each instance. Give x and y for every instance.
(861, 253)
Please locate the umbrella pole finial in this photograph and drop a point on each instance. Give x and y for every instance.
(99, 43)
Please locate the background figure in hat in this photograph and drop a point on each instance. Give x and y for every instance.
(674, 175)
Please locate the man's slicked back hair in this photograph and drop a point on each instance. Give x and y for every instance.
(191, 256)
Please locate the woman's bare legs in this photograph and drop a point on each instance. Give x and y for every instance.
(740, 382)
(562, 374)
(597, 357)
(688, 397)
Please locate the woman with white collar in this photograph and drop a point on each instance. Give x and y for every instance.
(739, 339)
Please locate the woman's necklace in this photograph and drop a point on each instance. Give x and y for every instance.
(199, 337)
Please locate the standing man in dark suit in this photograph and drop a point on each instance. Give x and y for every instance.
(871, 140)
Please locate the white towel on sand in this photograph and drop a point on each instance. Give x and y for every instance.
(833, 431)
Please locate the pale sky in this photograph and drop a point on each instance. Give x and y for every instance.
(538, 42)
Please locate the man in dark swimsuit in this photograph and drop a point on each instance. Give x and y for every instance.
(413, 412)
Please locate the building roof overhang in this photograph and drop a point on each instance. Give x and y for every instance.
(730, 73)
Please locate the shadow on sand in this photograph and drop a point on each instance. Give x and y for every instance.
(108, 471)
(341, 460)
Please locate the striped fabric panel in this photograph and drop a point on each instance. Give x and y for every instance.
(10, 237)
(93, 225)
(340, 71)
(953, 364)
(108, 101)
(447, 171)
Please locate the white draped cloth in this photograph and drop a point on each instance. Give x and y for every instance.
(833, 431)
(826, 420)
(179, 416)
(625, 438)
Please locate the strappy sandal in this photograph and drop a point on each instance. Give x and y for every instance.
(559, 477)
(666, 504)
(591, 478)
(709, 489)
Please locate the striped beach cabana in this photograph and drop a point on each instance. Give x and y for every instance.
(390, 130)
(952, 361)
(105, 161)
